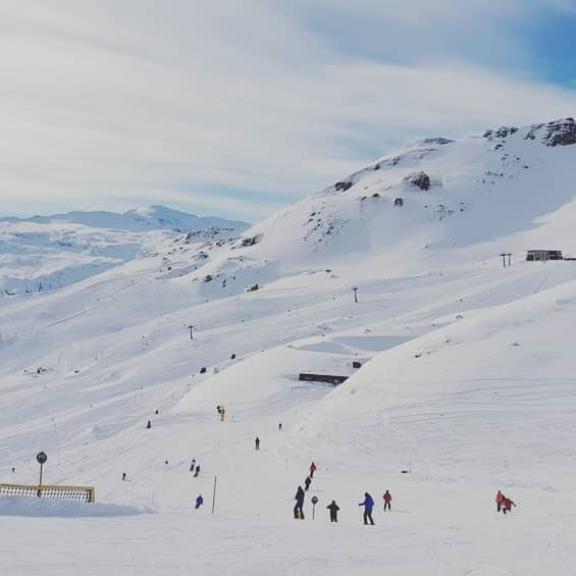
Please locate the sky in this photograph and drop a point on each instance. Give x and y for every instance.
(237, 108)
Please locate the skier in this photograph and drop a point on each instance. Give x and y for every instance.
(192, 464)
(222, 413)
(313, 469)
(507, 505)
(123, 475)
(387, 500)
(197, 471)
(298, 509)
(307, 483)
(333, 507)
(279, 426)
(157, 412)
(149, 425)
(257, 443)
(499, 500)
(199, 501)
(368, 505)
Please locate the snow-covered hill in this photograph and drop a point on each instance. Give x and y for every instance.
(48, 252)
(460, 375)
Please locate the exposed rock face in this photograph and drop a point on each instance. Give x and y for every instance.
(343, 186)
(440, 141)
(556, 133)
(560, 133)
(419, 180)
(251, 241)
(502, 132)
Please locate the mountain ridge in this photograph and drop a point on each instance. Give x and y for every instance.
(154, 217)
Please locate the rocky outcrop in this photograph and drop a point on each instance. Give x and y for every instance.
(419, 180)
(502, 132)
(560, 133)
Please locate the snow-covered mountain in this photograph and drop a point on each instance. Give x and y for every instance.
(139, 219)
(434, 203)
(48, 252)
(460, 379)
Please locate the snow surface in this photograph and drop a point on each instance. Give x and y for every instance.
(466, 383)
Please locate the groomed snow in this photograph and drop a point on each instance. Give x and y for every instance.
(466, 385)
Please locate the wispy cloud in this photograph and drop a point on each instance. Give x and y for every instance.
(110, 104)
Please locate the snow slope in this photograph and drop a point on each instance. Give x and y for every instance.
(466, 381)
(47, 252)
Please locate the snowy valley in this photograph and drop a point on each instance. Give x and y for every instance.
(459, 374)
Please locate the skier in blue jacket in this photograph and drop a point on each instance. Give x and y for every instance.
(199, 501)
(368, 506)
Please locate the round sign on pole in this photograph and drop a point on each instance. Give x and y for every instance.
(41, 458)
(314, 500)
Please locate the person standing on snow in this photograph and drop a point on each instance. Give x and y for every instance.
(307, 483)
(199, 501)
(368, 506)
(313, 469)
(257, 443)
(298, 509)
(333, 507)
(499, 500)
(387, 500)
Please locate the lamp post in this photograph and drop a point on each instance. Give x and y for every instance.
(314, 502)
(41, 458)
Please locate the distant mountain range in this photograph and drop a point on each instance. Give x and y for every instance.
(45, 253)
(140, 219)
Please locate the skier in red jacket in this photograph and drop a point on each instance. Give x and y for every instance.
(312, 469)
(499, 500)
(387, 501)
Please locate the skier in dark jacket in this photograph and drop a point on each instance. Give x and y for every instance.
(298, 509)
(199, 501)
(307, 483)
(507, 505)
(257, 443)
(333, 507)
(368, 506)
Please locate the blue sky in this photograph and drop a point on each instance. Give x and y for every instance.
(551, 40)
(240, 107)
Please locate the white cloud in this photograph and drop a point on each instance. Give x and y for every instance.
(108, 105)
